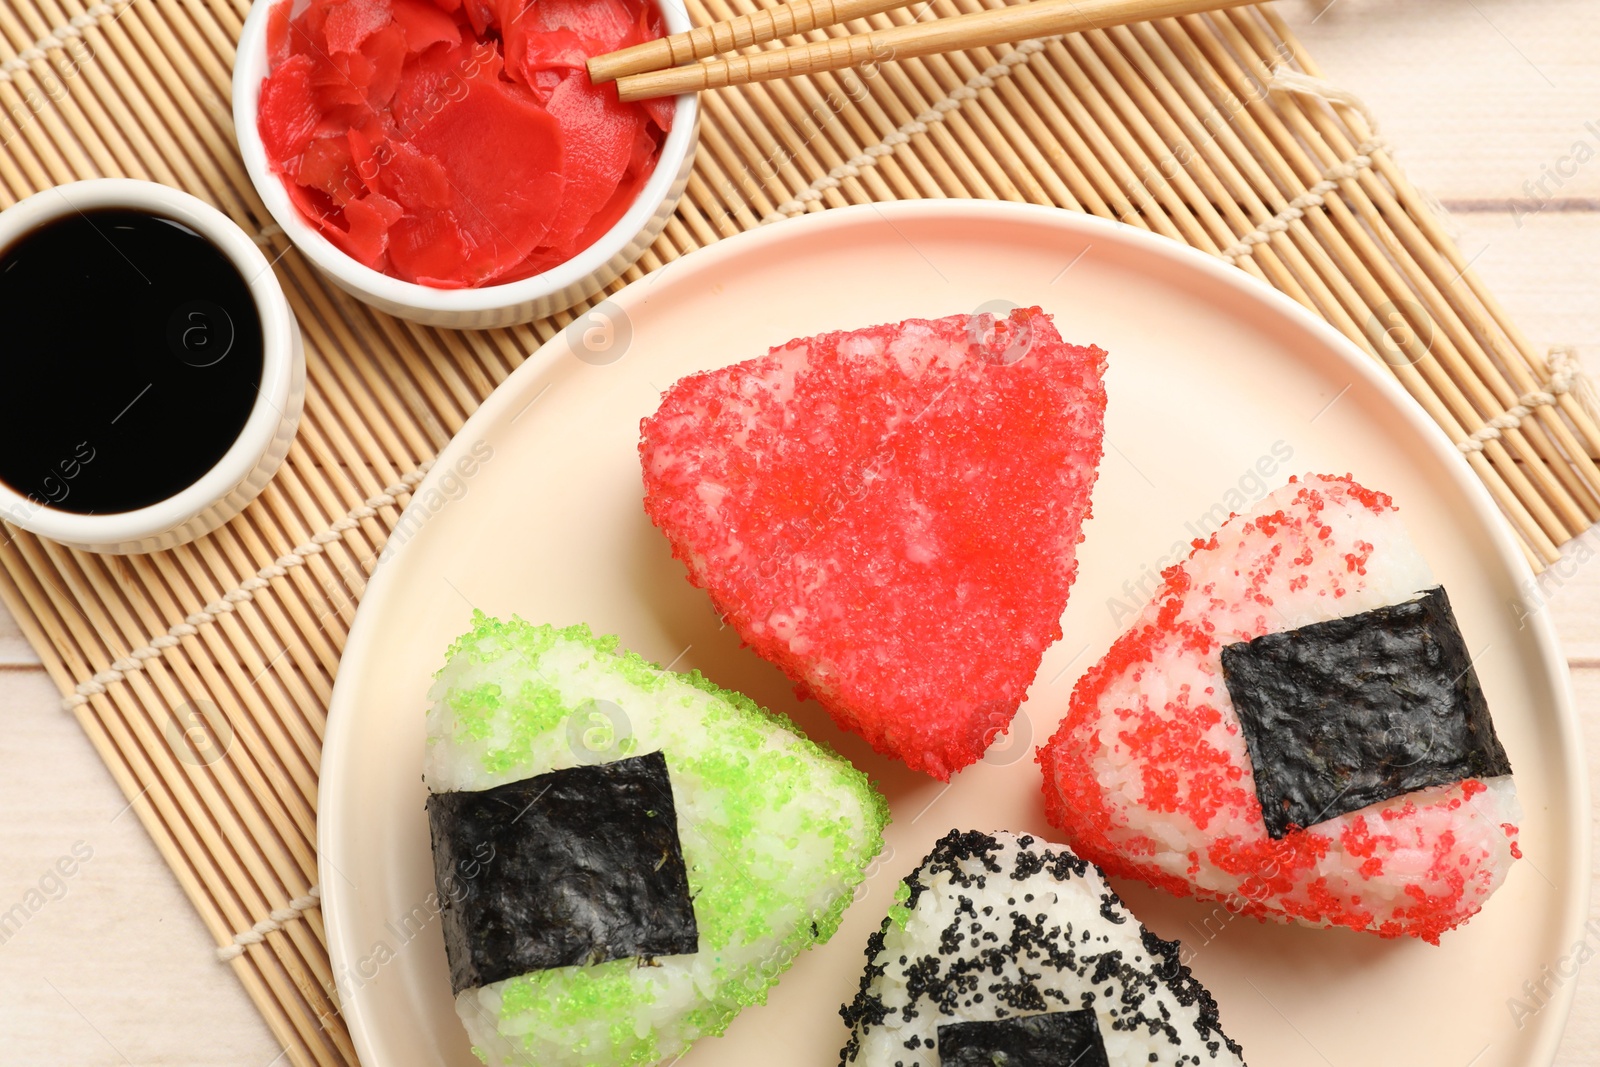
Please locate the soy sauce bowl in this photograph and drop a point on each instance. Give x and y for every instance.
(261, 444)
(540, 295)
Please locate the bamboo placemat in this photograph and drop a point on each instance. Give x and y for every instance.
(202, 675)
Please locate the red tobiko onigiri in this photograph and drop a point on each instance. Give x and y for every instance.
(891, 515)
(1293, 726)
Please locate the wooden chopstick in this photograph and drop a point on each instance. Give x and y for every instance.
(782, 21)
(978, 29)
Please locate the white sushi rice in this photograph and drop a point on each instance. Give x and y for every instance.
(1447, 843)
(775, 832)
(993, 926)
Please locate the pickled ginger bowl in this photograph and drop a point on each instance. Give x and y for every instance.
(452, 170)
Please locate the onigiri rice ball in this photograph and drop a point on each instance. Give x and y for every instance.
(1005, 948)
(595, 796)
(890, 515)
(1390, 807)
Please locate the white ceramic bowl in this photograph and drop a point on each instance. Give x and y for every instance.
(246, 468)
(494, 305)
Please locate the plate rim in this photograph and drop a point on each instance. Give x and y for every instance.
(337, 736)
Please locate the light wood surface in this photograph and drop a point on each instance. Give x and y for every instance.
(1479, 98)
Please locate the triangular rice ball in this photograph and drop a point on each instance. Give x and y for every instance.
(1390, 803)
(891, 515)
(589, 806)
(1006, 949)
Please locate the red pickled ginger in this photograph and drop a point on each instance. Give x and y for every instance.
(457, 143)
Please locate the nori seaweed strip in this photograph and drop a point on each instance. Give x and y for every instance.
(1341, 714)
(577, 866)
(1054, 1039)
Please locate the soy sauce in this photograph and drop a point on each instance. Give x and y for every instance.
(130, 359)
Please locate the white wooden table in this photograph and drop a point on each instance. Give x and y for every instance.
(1487, 102)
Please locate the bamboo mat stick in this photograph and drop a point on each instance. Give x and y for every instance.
(265, 773)
(1244, 184)
(264, 725)
(317, 656)
(884, 114)
(1192, 35)
(1208, 186)
(269, 711)
(990, 173)
(1015, 126)
(1024, 95)
(1101, 93)
(1475, 391)
(178, 857)
(1575, 500)
(204, 37)
(350, 399)
(721, 160)
(128, 111)
(1380, 286)
(913, 85)
(22, 134)
(46, 78)
(868, 124)
(219, 784)
(760, 129)
(1419, 214)
(134, 738)
(804, 111)
(1153, 132)
(468, 379)
(96, 613)
(809, 120)
(812, 170)
(1125, 198)
(1248, 183)
(763, 124)
(997, 125)
(730, 207)
(61, 153)
(178, 31)
(1080, 166)
(113, 123)
(304, 607)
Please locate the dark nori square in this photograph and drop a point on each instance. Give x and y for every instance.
(1055, 1039)
(577, 866)
(1341, 714)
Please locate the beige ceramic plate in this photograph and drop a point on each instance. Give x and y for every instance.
(1219, 387)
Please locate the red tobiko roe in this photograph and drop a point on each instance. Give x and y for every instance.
(457, 143)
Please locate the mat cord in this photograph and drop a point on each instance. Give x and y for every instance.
(1285, 80)
(58, 38)
(852, 168)
(1565, 375)
(245, 591)
(295, 909)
